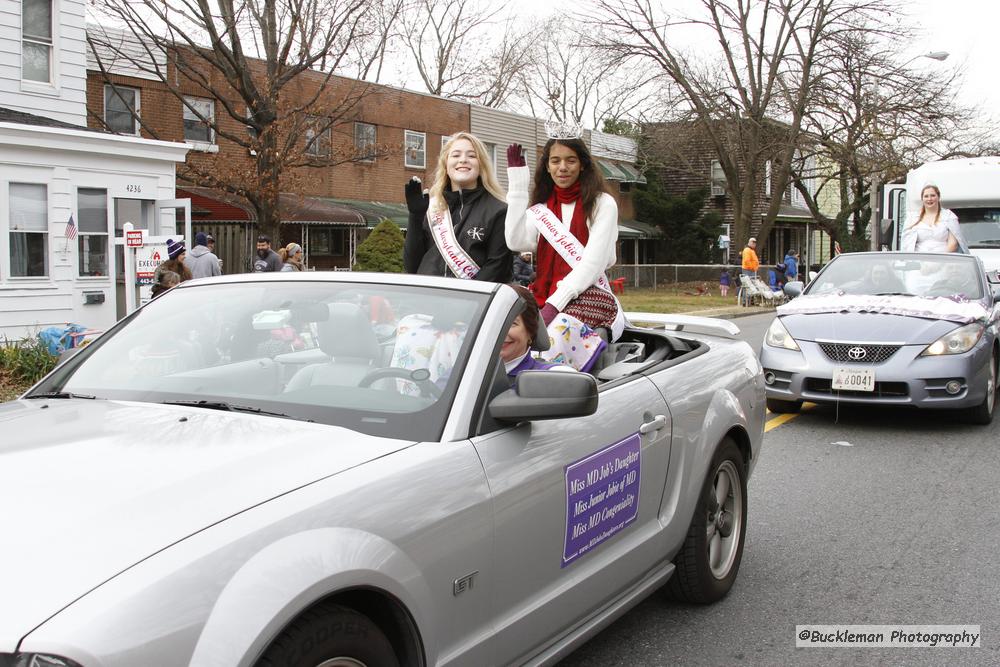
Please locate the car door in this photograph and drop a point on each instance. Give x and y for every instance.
(575, 505)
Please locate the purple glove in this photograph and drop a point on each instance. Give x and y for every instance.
(549, 313)
(515, 156)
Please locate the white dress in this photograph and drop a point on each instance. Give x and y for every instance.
(929, 237)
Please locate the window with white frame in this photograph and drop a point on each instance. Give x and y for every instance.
(317, 137)
(36, 40)
(718, 177)
(121, 109)
(199, 114)
(416, 149)
(92, 244)
(29, 230)
(364, 141)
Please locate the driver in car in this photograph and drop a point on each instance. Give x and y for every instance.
(526, 334)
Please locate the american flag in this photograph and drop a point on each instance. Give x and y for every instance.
(71, 228)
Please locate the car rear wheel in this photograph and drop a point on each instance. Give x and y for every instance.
(983, 413)
(778, 406)
(710, 557)
(330, 636)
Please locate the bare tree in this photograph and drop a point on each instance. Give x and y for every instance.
(456, 51)
(750, 101)
(267, 64)
(569, 79)
(873, 117)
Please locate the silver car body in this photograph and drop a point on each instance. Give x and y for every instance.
(890, 339)
(140, 533)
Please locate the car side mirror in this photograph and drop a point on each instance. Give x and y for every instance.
(793, 289)
(546, 395)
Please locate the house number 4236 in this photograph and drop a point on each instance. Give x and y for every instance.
(133, 187)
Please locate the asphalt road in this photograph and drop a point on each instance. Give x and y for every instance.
(857, 516)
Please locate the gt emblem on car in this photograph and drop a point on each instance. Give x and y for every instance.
(857, 353)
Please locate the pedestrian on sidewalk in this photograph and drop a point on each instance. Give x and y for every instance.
(724, 282)
(201, 261)
(750, 264)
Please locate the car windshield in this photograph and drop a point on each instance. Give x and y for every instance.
(379, 359)
(980, 226)
(890, 273)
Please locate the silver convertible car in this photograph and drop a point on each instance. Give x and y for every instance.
(914, 329)
(334, 470)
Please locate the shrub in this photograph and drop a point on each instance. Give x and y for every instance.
(382, 251)
(26, 361)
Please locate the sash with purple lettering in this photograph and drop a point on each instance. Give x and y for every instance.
(455, 257)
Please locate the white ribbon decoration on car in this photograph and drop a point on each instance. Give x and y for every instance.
(454, 255)
(571, 250)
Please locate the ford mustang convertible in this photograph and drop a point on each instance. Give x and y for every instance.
(335, 469)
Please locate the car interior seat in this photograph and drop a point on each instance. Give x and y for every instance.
(348, 339)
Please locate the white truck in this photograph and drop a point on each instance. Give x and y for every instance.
(969, 186)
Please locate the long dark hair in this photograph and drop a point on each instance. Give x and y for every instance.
(591, 180)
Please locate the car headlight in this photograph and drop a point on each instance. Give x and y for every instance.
(777, 336)
(958, 341)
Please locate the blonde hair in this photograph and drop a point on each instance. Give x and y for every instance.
(486, 174)
(937, 216)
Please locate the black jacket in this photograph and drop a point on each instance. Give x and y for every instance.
(524, 273)
(478, 218)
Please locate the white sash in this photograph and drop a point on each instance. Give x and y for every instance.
(454, 255)
(571, 250)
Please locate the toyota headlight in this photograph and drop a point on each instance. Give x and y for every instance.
(958, 341)
(777, 336)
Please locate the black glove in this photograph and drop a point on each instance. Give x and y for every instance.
(515, 156)
(417, 200)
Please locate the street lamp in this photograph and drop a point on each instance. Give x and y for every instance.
(874, 201)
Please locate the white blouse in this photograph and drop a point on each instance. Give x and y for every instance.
(599, 254)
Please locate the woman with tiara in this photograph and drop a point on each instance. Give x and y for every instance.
(571, 222)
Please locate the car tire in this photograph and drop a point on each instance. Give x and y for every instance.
(709, 559)
(982, 414)
(332, 636)
(778, 406)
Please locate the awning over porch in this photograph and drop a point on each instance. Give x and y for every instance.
(374, 212)
(218, 206)
(633, 229)
(789, 213)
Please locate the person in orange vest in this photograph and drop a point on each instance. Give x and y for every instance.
(750, 263)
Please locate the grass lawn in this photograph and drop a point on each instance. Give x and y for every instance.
(675, 299)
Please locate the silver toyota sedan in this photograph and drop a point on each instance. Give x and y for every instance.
(334, 469)
(916, 329)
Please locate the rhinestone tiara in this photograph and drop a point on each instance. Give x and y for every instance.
(563, 129)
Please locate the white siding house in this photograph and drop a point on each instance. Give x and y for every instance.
(52, 169)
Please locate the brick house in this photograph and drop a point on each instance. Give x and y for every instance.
(329, 209)
(687, 160)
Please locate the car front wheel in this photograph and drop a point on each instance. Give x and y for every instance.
(983, 413)
(330, 636)
(710, 557)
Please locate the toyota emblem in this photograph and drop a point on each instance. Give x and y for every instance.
(857, 353)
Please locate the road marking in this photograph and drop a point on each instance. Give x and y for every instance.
(775, 422)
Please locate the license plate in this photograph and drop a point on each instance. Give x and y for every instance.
(853, 379)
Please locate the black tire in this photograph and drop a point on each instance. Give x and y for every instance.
(982, 414)
(778, 406)
(327, 632)
(702, 577)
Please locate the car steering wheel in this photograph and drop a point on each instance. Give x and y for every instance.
(420, 377)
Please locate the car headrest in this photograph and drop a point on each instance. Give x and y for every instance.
(348, 333)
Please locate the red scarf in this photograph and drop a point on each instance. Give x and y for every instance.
(551, 267)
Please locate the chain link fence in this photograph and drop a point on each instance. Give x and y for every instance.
(662, 275)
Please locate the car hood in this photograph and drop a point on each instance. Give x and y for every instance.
(866, 328)
(91, 487)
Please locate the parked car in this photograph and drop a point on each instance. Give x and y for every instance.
(291, 468)
(916, 329)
